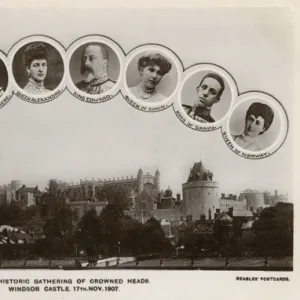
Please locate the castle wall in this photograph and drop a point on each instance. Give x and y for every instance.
(168, 213)
(30, 199)
(254, 200)
(81, 207)
(225, 204)
(200, 197)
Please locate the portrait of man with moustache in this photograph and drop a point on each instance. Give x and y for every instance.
(94, 69)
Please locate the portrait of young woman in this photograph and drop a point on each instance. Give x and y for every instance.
(38, 68)
(150, 77)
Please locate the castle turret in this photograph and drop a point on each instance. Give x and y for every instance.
(200, 193)
(169, 192)
(15, 185)
(157, 180)
(140, 178)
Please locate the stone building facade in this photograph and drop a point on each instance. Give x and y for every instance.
(232, 201)
(91, 189)
(200, 194)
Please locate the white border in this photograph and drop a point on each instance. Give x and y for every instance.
(275, 104)
(97, 98)
(44, 97)
(144, 105)
(188, 73)
(5, 98)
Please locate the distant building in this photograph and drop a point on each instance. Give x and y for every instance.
(158, 204)
(275, 198)
(11, 235)
(91, 189)
(81, 207)
(255, 200)
(9, 191)
(232, 201)
(26, 196)
(245, 214)
(144, 190)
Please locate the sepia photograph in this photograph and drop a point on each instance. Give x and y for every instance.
(110, 201)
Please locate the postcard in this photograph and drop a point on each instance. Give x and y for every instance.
(147, 152)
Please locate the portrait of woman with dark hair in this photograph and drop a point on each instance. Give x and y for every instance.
(152, 68)
(3, 78)
(259, 118)
(35, 60)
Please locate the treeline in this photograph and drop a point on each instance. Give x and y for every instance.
(271, 234)
(112, 233)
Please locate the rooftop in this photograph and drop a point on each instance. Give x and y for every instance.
(200, 173)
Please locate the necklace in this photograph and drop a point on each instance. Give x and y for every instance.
(35, 86)
(151, 92)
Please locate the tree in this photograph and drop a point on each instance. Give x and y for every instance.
(114, 225)
(52, 187)
(274, 230)
(58, 235)
(117, 195)
(155, 240)
(89, 233)
(14, 215)
(60, 225)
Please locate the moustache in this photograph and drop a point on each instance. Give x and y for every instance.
(88, 70)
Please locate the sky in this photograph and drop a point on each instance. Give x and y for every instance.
(69, 140)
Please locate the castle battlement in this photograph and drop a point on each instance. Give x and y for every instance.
(84, 202)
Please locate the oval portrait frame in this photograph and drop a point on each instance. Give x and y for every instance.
(37, 98)
(143, 105)
(283, 119)
(95, 98)
(5, 98)
(189, 73)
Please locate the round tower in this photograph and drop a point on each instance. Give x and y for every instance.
(200, 193)
(140, 178)
(157, 180)
(254, 199)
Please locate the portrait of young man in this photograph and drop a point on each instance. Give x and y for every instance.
(208, 92)
(94, 69)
